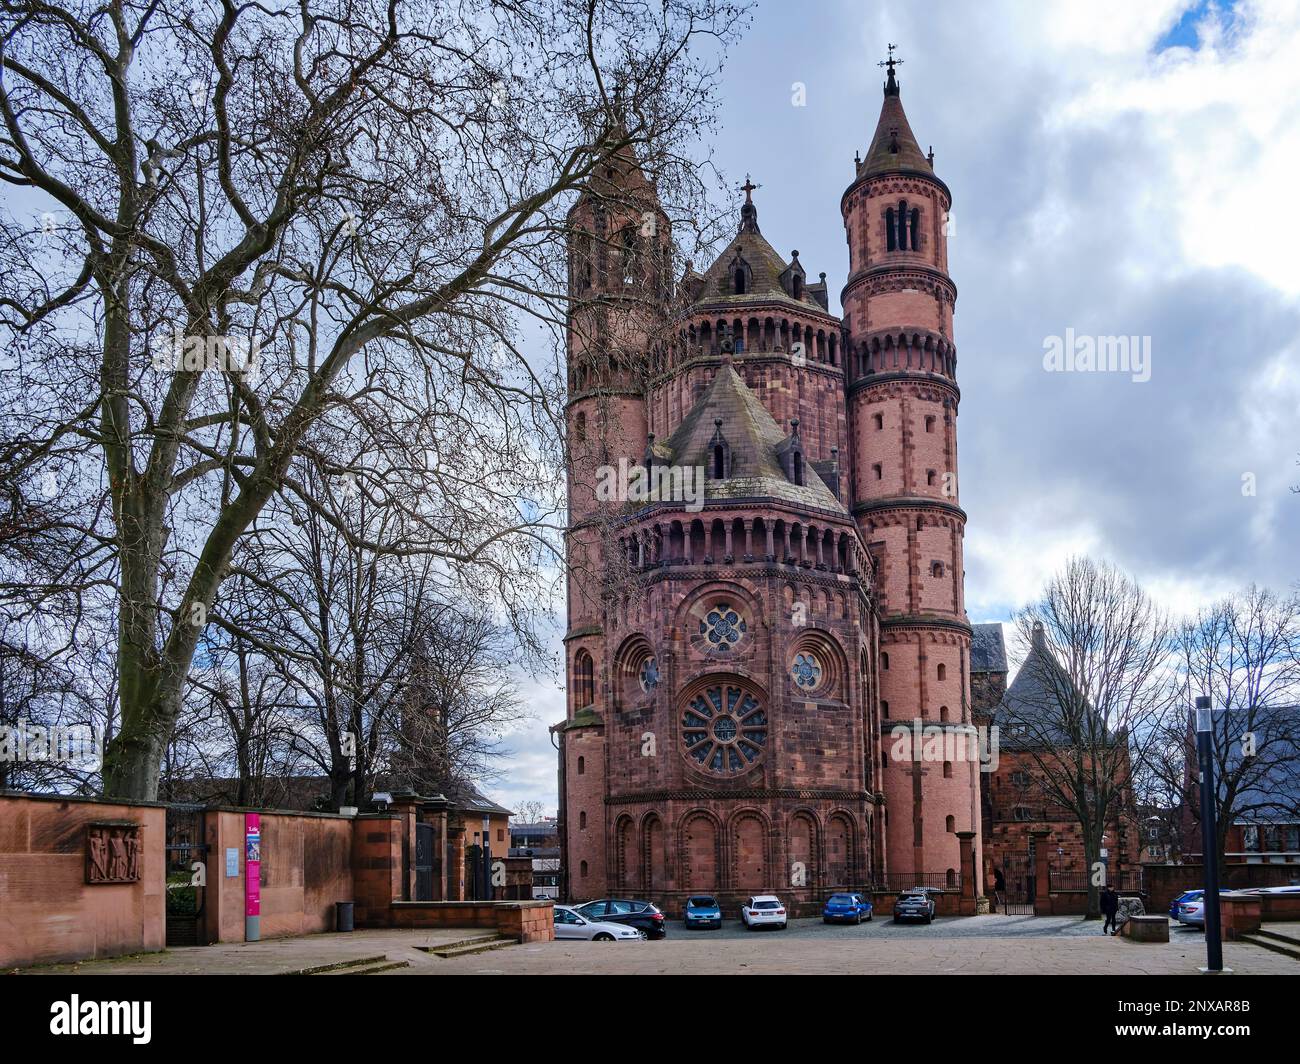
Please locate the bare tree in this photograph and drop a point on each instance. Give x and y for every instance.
(1096, 686)
(254, 220)
(531, 811)
(1244, 653)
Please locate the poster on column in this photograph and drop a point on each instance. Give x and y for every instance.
(252, 876)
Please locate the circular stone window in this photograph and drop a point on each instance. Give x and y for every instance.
(806, 671)
(723, 627)
(649, 675)
(724, 729)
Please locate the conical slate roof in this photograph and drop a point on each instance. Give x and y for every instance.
(753, 437)
(1032, 712)
(893, 146)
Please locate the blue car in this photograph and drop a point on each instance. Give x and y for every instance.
(1186, 896)
(846, 909)
(702, 910)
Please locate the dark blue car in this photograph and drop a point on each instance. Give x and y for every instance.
(846, 909)
(1188, 895)
(702, 910)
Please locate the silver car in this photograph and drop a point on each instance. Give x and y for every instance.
(571, 924)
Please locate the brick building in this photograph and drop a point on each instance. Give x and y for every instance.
(1020, 813)
(738, 658)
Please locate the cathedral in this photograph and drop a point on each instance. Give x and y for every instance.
(751, 631)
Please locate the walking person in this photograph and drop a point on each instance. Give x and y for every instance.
(1109, 907)
(999, 888)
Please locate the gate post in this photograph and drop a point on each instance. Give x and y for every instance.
(1042, 898)
(969, 880)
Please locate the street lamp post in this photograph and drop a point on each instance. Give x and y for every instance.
(1209, 835)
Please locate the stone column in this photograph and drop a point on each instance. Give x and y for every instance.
(1042, 885)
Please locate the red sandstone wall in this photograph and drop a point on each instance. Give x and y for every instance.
(47, 911)
(306, 868)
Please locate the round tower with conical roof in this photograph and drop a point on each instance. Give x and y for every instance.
(902, 402)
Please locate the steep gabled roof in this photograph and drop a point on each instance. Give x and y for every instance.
(988, 651)
(754, 440)
(1030, 713)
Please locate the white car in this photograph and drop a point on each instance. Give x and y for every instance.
(763, 910)
(570, 924)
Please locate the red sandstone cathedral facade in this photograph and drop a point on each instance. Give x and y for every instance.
(787, 587)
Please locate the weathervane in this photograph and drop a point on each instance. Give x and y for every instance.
(891, 86)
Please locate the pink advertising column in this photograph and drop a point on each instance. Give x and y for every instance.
(252, 877)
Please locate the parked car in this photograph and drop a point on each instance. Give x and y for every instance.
(571, 924)
(1185, 896)
(1191, 911)
(763, 910)
(639, 914)
(846, 908)
(914, 905)
(702, 910)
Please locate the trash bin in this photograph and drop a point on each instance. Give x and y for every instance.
(343, 915)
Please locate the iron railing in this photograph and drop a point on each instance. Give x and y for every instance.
(1127, 880)
(893, 882)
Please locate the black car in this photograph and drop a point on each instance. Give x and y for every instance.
(914, 905)
(639, 914)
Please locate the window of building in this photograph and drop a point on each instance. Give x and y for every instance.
(884, 708)
(884, 661)
(583, 869)
(943, 669)
(929, 423)
(582, 766)
(930, 476)
(584, 672)
(582, 820)
(936, 569)
(950, 824)
(880, 421)
(879, 470)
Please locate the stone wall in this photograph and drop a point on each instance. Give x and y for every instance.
(48, 910)
(1164, 882)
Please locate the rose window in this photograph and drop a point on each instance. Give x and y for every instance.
(806, 672)
(649, 675)
(724, 729)
(723, 627)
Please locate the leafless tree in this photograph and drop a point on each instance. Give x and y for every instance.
(1098, 686)
(245, 229)
(1244, 653)
(530, 811)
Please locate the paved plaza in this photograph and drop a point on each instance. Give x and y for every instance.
(980, 945)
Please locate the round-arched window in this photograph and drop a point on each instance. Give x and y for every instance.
(724, 729)
(723, 627)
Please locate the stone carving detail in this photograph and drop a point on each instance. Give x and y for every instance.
(113, 852)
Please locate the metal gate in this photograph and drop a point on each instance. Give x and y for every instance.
(186, 885)
(1018, 895)
(424, 839)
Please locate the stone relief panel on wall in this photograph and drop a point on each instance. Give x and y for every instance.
(113, 852)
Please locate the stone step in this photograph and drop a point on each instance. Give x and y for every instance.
(324, 969)
(1258, 939)
(1288, 937)
(386, 966)
(476, 940)
(482, 947)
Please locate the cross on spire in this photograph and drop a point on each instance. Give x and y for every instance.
(748, 212)
(748, 189)
(891, 86)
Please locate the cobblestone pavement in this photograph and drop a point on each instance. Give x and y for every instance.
(978, 945)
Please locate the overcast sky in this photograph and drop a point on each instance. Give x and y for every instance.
(1117, 169)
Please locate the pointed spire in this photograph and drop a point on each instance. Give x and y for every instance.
(893, 146)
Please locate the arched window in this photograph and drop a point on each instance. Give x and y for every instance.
(943, 713)
(879, 470)
(943, 669)
(902, 225)
(583, 867)
(880, 422)
(929, 423)
(884, 661)
(580, 428)
(582, 766)
(738, 283)
(936, 569)
(950, 823)
(891, 232)
(719, 463)
(884, 708)
(582, 821)
(930, 477)
(796, 286)
(584, 675)
(947, 770)
(914, 236)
